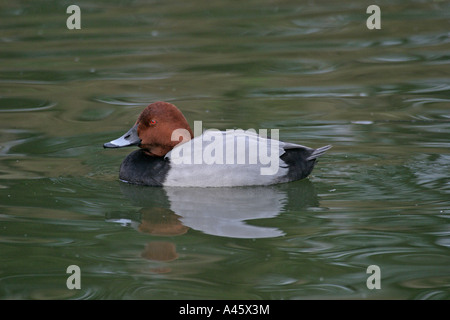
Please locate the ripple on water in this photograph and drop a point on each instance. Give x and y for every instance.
(94, 114)
(435, 282)
(418, 102)
(326, 290)
(41, 241)
(18, 104)
(422, 259)
(359, 248)
(302, 66)
(379, 239)
(431, 171)
(309, 92)
(393, 58)
(46, 286)
(125, 100)
(320, 24)
(414, 40)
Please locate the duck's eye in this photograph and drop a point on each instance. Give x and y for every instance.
(152, 122)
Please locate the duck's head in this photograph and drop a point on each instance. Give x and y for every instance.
(158, 129)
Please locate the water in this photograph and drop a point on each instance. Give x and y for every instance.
(311, 69)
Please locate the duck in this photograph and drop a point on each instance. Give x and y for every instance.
(170, 155)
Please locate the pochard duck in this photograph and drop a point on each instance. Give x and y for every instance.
(170, 155)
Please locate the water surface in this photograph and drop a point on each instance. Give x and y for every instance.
(310, 69)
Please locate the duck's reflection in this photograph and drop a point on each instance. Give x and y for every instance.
(224, 212)
(160, 222)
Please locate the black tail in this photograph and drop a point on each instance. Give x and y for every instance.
(318, 152)
(301, 161)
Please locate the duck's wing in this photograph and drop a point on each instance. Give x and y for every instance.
(225, 147)
(226, 159)
(235, 158)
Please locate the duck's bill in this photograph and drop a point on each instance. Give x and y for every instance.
(130, 138)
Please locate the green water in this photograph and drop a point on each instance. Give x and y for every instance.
(311, 69)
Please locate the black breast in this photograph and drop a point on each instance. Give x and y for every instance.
(140, 168)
